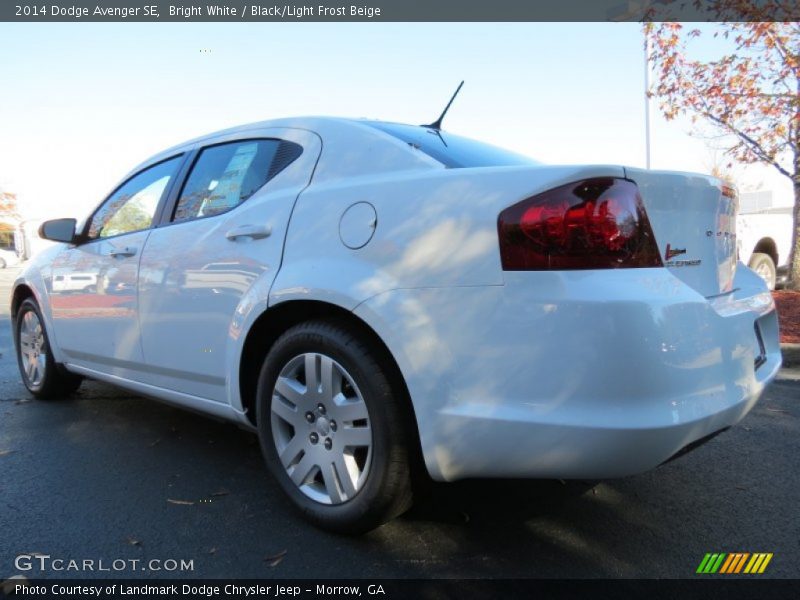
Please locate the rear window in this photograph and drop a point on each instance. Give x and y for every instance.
(453, 151)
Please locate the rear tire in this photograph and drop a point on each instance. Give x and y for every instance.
(764, 266)
(333, 431)
(43, 377)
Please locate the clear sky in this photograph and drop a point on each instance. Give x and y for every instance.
(83, 103)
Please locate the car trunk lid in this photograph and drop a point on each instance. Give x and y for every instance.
(694, 221)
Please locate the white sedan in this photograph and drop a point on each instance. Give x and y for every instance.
(8, 258)
(378, 299)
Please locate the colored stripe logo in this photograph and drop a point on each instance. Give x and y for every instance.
(734, 563)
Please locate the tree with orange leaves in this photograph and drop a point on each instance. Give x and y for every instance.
(8, 205)
(751, 95)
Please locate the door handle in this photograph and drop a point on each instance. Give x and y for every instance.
(254, 232)
(122, 252)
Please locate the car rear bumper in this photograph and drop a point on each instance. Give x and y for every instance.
(588, 374)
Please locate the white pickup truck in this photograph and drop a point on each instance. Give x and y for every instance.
(764, 241)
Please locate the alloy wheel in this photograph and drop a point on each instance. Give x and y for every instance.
(32, 348)
(765, 272)
(321, 428)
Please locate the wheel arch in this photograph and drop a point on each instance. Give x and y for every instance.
(32, 288)
(277, 319)
(21, 293)
(767, 246)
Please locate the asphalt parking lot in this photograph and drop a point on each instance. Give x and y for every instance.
(106, 475)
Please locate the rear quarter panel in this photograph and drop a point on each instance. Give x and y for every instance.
(434, 228)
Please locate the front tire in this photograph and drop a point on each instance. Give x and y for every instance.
(332, 428)
(43, 377)
(764, 266)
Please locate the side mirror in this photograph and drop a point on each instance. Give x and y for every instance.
(58, 230)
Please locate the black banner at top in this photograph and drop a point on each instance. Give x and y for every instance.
(398, 10)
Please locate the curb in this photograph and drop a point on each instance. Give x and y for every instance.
(791, 355)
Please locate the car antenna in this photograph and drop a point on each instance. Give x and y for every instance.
(437, 124)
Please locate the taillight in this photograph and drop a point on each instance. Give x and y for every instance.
(592, 224)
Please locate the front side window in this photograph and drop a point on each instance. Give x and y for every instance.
(226, 175)
(133, 206)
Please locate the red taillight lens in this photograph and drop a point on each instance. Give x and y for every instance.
(592, 224)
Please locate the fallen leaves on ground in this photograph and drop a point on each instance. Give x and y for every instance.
(275, 560)
(788, 303)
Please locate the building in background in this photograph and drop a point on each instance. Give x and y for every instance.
(9, 220)
(18, 235)
(26, 239)
(762, 201)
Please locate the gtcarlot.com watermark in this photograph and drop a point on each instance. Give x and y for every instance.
(48, 563)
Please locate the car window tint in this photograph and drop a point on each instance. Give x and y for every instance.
(133, 206)
(226, 175)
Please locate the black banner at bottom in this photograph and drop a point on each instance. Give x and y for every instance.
(394, 589)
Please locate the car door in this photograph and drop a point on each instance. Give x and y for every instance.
(221, 238)
(93, 284)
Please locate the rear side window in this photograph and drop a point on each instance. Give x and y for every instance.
(453, 151)
(226, 175)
